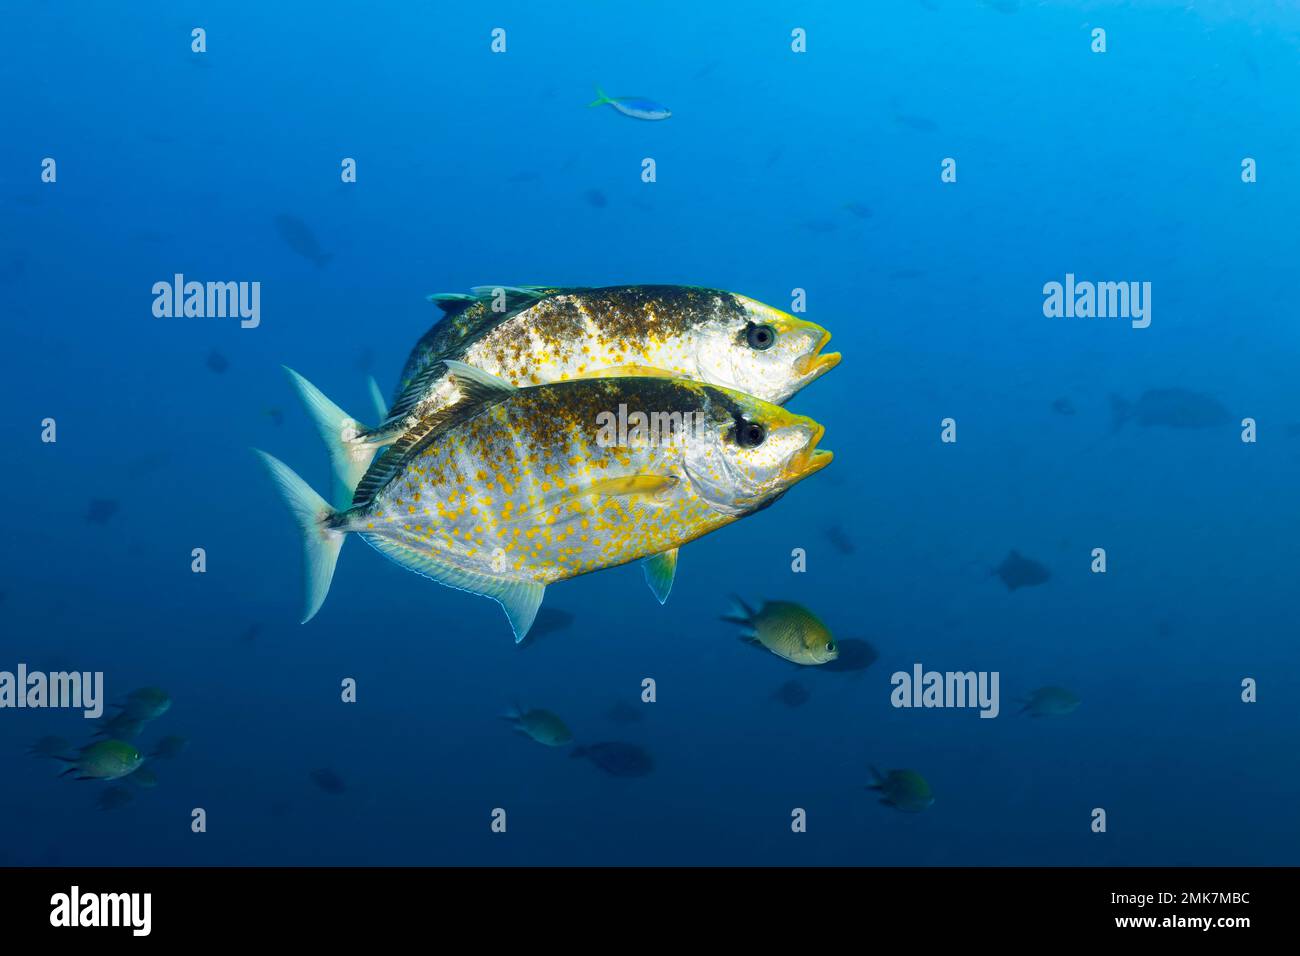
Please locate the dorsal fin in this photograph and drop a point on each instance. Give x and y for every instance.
(514, 296)
(478, 390)
(452, 302)
(415, 390)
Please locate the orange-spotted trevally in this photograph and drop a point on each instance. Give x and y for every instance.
(524, 487)
(533, 336)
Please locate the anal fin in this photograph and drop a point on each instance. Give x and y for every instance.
(519, 599)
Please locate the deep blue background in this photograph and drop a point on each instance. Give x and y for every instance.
(475, 168)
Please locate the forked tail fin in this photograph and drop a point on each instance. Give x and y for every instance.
(340, 432)
(377, 398)
(321, 542)
(740, 612)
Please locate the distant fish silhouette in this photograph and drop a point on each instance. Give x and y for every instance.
(842, 542)
(146, 703)
(617, 759)
(548, 621)
(51, 747)
(1251, 66)
(1170, 625)
(101, 509)
(595, 198)
(298, 237)
(138, 467)
(217, 362)
(856, 655)
(121, 726)
(543, 726)
(1170, 408)
(1050, 702)
(1063, 406)
(904, 790)
(115, 798)
(168, 748)
(1021, 572)
(625, 713)
(859, 209)
(328, 781)
(793, 694)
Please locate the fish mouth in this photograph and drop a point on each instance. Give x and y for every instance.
(811, 459)
(816, 364)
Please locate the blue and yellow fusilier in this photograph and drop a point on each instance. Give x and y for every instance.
(637, 107)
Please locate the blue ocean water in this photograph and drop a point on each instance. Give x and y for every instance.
(777, 171)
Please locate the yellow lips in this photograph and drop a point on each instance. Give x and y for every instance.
(817, 364)
(811, 459)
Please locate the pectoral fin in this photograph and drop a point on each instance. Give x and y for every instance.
(639, 489)
(636, 486)
(477, 385)
(625, 371)
(659, 571)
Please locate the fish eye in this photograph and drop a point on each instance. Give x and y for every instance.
(830, 646)
(750, 434)
(760, 337)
